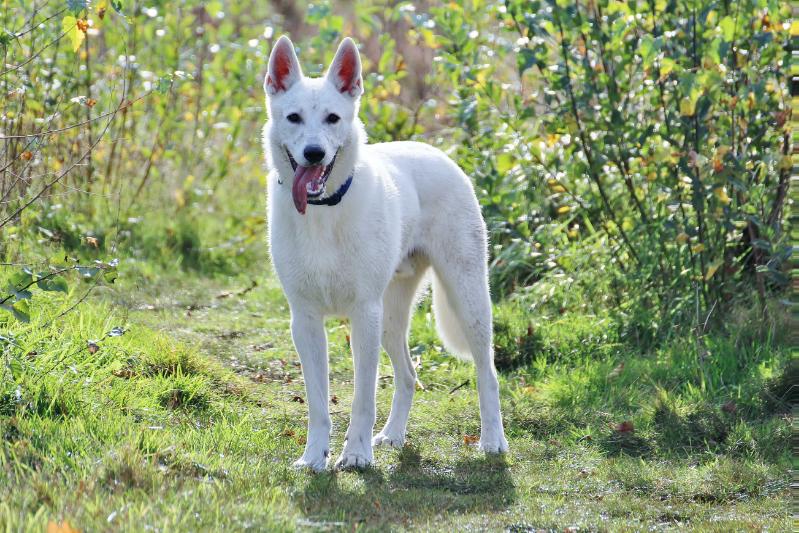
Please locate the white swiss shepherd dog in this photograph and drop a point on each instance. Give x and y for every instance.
(381, 217)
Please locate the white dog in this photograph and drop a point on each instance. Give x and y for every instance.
(380, 216)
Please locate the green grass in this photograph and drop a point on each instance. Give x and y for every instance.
(191, 419)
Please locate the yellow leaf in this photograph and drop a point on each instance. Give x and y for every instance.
(687, 107)
(696, 248)
(60, 527)
(711, 269)
(721, 194)
(562, 210)
(682, 238)
(69, 25)
(627, 224)
(429, 38)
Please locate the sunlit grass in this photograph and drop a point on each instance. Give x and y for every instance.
(191, 419)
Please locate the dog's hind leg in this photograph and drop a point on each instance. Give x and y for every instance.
(398, 303)
(464, 280)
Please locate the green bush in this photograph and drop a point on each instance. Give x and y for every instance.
(655, 128)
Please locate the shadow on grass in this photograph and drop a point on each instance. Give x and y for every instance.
(415, 488)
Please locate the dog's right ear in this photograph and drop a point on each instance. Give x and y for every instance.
(284, 68)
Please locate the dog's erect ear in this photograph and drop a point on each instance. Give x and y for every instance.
(345, 70)
(284, 68)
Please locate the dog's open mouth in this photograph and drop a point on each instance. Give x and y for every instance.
(308, 181)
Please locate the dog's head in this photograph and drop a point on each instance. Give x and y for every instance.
(311, 119)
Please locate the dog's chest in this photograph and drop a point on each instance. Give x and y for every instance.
(330, 267)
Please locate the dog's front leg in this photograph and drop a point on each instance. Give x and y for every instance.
(308, 332)
(366, 322)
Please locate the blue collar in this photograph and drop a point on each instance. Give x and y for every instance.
(334, 198)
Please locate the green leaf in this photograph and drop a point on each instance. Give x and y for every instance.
(20, 310)
(20, 279)
(16, 368)
(666, 66)
(18, 283)
(504, 163)
(525, 59)
(77, 6)
(213, 8)
(727, 26)
(163, 85)
(648, 50)
(57, 284)
(88, 272)
(110, 275)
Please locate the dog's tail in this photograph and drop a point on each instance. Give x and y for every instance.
(449, 326)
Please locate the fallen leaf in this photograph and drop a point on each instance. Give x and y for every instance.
(334, 399)
(288, 432)
(616, 372)
(61, 527)
(298, 399)
(27, 155)
(124, 373)
(624, 427)
(471, 440)
(93, 347)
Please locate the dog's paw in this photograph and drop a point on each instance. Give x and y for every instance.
(494, 443)
(314, 464)
(388, 439)
(352, 460)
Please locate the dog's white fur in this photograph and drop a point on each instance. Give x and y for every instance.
(409, 208)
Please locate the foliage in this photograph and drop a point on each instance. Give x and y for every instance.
(646, 139)
(653, 134)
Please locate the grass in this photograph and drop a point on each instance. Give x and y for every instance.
(191, 419)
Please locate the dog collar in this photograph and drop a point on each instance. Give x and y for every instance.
(334, 198)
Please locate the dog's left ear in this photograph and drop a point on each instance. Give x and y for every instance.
(345, 70)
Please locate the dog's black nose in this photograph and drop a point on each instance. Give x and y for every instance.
(313, 153)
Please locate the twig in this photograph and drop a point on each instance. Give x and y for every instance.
(459, 386)
(79, 124)
(64, 173)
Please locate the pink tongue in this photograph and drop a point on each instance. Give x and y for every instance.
(302, 177)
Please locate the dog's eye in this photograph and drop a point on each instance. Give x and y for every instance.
(332, 118)
(294, 118)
